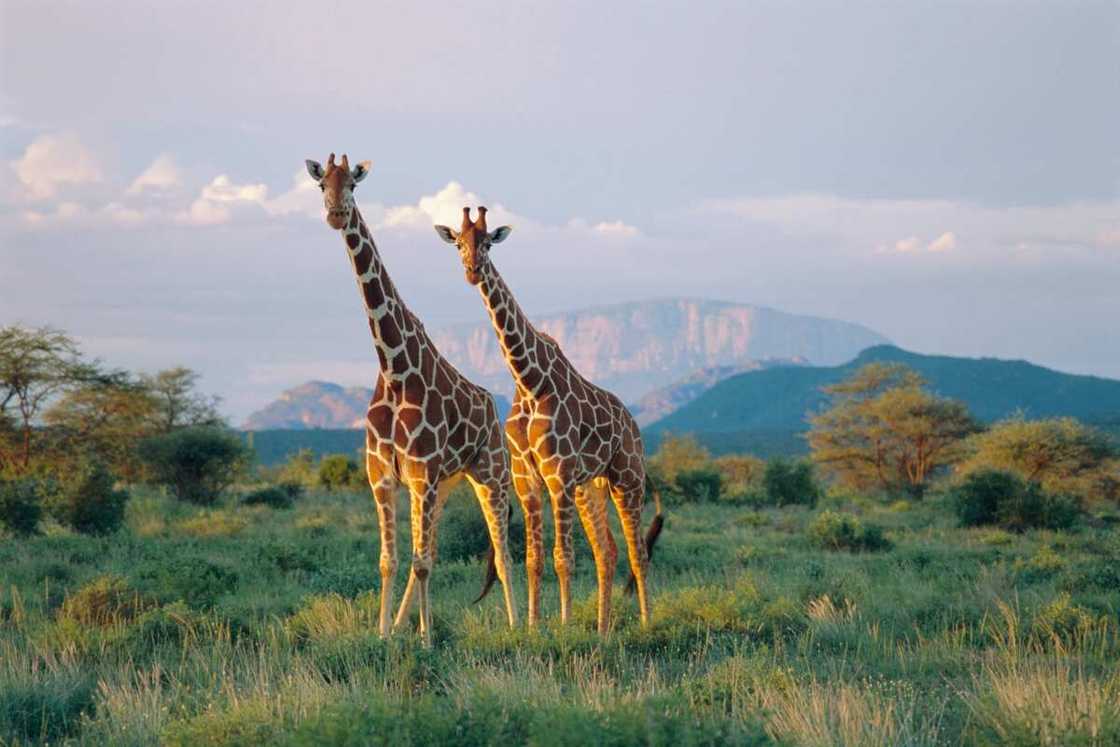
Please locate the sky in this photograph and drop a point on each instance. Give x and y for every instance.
(946, 173)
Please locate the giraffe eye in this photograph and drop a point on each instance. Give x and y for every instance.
(322, 187)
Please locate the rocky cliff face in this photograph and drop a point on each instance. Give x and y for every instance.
(679, 346)
(632, 349)
(316, 404)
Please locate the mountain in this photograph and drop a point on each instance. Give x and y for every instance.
(765, 410)
(315, 404)
(661, 402)
(323, 405)
(634, 348)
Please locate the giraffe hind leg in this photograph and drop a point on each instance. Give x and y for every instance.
(628, 503)
(591, 502)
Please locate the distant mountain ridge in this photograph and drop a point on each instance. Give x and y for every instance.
(313, 404)
(323, 405)
(635, 348)
(771, 405)
(668, 399)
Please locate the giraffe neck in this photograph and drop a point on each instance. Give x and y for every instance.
(522, 345)
(389, 319)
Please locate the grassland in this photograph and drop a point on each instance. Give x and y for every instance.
(249, 625)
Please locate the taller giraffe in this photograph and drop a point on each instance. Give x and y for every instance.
(576, 438)
(427, 426)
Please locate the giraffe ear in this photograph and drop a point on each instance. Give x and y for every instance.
(449, 235)
(315, 169)
(499, 234)
(360, 171)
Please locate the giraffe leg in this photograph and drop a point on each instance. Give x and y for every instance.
(563, 557)
(386, 500)
(628, 502)
(527, 486)
(424, 500)
(493, 498)
(410, 589)
(591, 502)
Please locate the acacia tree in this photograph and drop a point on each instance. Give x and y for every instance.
(178, 404)
(1061, 455)
(885, 430)
(35, 366)
(106, 419)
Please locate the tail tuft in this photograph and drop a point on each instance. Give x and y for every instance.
(491, 575)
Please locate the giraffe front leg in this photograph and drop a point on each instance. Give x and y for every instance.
(563, 510)
(411, 589)
(527, 487)
(383, 495)
(591, 502)
(424, 500)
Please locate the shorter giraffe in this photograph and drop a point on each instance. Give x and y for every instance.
(574, 438)
(427, 425)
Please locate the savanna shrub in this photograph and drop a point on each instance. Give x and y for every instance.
(338, 471)
(1005, 499)
(702, 484)
(194, 580)
(197, 464)
(87, 501)
(20, 507)
(832, 530)
(106, 600)
(462, 533)
(790, 483)
(276, 496)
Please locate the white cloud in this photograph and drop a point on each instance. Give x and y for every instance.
(160, 175)
(213, 205)
(943, 243)
(54, 160)
(302, 199)
(445, 207)
(850, 226)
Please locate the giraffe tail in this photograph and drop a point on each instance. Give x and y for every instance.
(490, 574)
(652, 533)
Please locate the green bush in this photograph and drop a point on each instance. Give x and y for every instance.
(20, 506)
(787, 483)
(276, 496)
(106, 600)
(988, 497)
(699, 485)
(194, 580)
(832, 530)
(338, 471)
(87, 501)
(197, 464)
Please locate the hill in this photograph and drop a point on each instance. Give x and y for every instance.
(765, 411)
(323, 405)
(661, 402)
(635, 348)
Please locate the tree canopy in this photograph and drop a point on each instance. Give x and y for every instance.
(884, 429)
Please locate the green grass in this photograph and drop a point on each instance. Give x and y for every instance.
(247, 625)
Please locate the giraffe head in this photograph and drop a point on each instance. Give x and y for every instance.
(473, 242)
(337, 183)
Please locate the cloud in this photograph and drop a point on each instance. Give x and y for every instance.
(214, 203)
(445, 207)
(943, 243)
(51, 161)
(162, 174)
(869, 226)
(302, 199)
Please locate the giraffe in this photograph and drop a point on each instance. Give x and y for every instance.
(427, 426)
(575, 438)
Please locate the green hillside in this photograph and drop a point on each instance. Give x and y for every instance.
(765, 411)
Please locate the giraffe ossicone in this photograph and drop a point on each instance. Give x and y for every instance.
(427, 426)
(567, 436)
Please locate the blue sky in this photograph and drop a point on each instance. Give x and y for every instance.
(945, 173)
